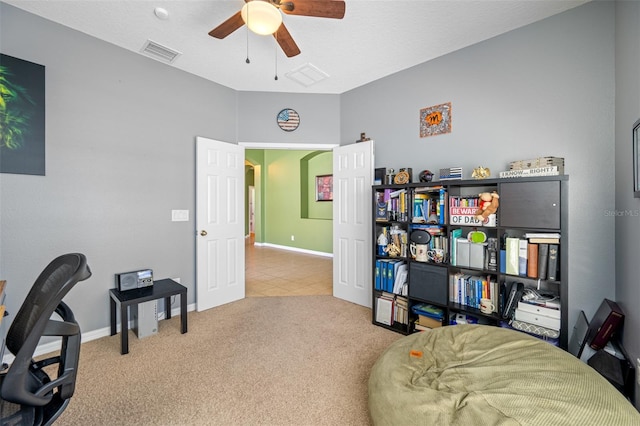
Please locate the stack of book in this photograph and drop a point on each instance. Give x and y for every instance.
(429, 317)
(534, 256)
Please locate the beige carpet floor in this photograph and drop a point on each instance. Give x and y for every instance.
(298, 360)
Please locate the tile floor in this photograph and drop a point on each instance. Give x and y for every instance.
(276, 272)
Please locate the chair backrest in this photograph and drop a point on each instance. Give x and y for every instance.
(33, 321)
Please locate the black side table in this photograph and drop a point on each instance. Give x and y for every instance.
(161, 288)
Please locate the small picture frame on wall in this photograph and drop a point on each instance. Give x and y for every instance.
(324, 188)
(636, 158)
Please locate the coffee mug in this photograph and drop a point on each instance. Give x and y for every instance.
(436, 255)
(486, 306)
(419, 252)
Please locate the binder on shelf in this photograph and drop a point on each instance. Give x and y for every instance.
(532, 260)
(378, 267)
(543, 258)
(513, 247)
(552, 267)
(522, 257)
(607, 320)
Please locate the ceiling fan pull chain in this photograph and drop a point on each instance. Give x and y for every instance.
(248, 61)
(276, 50)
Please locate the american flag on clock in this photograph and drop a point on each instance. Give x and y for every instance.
(288, 120)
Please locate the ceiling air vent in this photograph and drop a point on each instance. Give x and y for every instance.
(160, 52)
(307, 74)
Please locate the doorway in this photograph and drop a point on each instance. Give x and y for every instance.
(274, 265)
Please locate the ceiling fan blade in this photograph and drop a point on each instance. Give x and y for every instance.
(284, 39)
(227, 27)
(318, 8)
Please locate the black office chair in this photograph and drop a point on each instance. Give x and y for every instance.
(28, 395)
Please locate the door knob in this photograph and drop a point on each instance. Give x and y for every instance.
(203, 233)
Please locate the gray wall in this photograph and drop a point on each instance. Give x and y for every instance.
(121, 129)
(319, 118)
(543, 90)
(627, 208)
(120, 151)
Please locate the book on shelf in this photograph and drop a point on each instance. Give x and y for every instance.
(522, 257)
(543, 238)
(455, 234)
(384, 310)
(532, 260)
(543, 258)
(512, 261)
(429, 322)
(381, 212)
(605, 323)
(401, 311)
(428, 311)
(552, 267)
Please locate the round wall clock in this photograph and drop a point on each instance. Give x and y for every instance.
(288, 120)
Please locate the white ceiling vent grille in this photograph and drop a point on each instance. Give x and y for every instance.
(307, 74)
(160, 52)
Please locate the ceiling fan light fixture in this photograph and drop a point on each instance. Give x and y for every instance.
(261, 17)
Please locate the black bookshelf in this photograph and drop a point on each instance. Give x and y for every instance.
(527, 205)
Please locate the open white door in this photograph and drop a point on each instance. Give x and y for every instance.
(352, 212)
(219, 223)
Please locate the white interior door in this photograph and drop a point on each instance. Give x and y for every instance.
(219, 223)
(352, 212)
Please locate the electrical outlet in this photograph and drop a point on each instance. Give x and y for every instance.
(293, 238)
(638, 370)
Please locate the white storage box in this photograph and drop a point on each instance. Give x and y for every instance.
(532, 318)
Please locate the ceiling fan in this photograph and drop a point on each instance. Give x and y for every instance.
(264, 17)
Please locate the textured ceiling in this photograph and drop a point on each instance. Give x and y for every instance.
(376, 38)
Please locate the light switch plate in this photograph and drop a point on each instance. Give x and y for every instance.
(179, 215)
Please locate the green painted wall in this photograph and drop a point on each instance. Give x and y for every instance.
(286, 198)
(317, 163)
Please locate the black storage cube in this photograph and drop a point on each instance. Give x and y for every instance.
(428, 282)
(530, 204)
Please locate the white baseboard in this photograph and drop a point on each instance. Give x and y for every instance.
(296, 249)
(91, 335)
